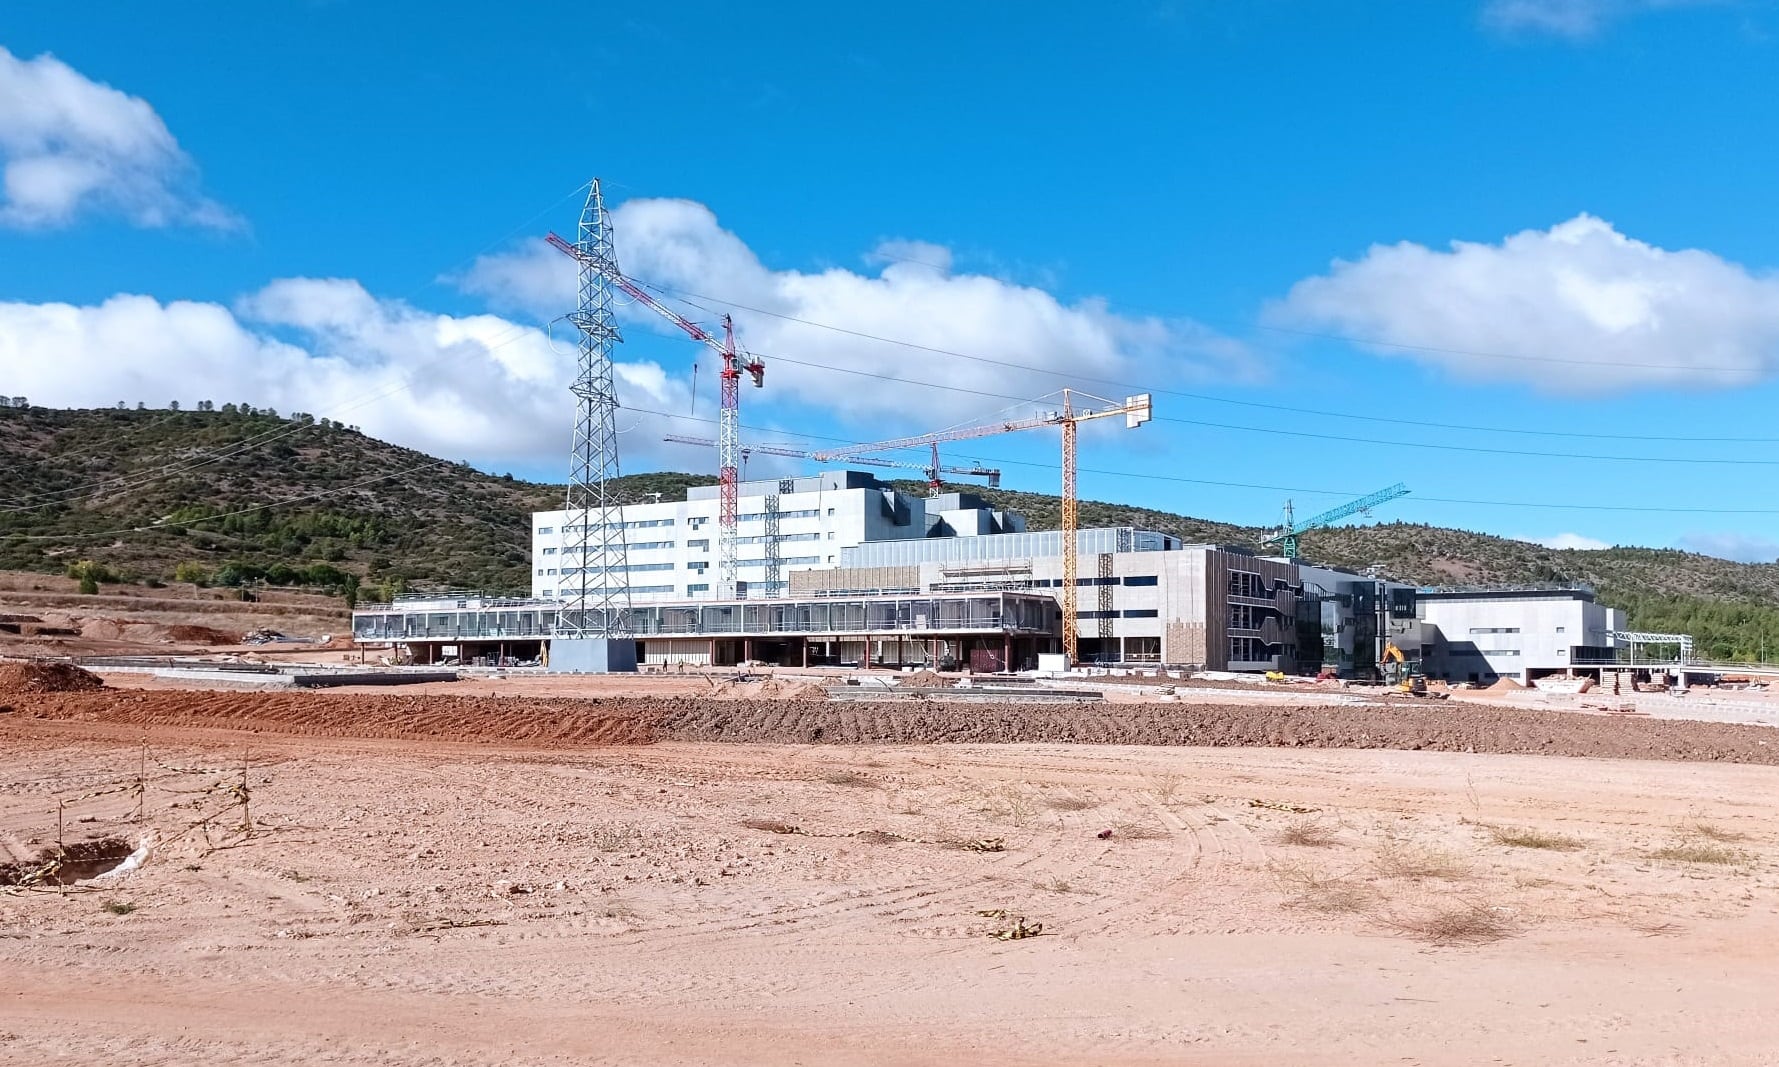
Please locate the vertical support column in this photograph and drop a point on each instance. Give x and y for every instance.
(1006, 652)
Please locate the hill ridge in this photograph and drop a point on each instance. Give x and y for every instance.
(174, 478)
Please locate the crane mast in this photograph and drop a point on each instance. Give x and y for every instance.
(1136, 411)
(729, 418)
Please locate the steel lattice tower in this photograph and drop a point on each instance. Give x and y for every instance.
(597, 604)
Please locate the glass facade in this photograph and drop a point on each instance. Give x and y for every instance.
(989, 612)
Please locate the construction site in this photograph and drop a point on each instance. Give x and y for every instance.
(820, 769)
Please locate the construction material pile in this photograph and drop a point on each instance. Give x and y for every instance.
(46, 678)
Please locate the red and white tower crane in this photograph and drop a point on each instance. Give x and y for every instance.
(729, 420)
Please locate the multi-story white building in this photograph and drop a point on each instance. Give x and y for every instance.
(1487, 634)
(672, 545)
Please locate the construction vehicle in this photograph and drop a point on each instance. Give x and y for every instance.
(1400, 673)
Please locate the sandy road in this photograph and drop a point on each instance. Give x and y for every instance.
(629, 916)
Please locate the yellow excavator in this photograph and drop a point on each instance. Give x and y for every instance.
(1396, 671)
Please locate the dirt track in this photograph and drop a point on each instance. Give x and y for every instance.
(413, 903)
(1433, 726)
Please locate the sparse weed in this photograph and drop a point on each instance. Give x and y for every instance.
(1472, 924)
(1520, 837)
(1139, 831)
(846, 776)
(1309, 833)
(1008, 802)
(1335, 894)
(1697, 852)
(1397, 859)
(118, 907)
(1056, 885)
(1712, 832)
(1071, 803)
(1166, 786)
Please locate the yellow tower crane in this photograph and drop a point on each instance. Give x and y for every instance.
(1136, 411)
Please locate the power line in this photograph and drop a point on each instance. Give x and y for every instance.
(1322, 491)
(914, 346)
(1477, 449)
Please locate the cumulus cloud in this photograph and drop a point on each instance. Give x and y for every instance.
(70, 145)
(1569, 540)
(480, 388)
(912, 296)
(1577, 306)
(1740, 547)
(1575, 19)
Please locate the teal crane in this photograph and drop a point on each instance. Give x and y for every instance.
(1287, 534)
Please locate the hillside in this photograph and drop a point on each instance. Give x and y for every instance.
(143, 492)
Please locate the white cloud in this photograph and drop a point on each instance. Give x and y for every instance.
(1575, 19)
(70, 144)
(1580, 305)
(1740, 547)
(1568, 540)
(913, 297)
(479, 388)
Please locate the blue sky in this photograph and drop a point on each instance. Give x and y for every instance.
(332, 207)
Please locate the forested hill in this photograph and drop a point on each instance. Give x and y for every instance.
(233, 494)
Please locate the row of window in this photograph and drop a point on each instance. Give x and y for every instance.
(1494, 629)
(789, 561)
(783, 537)
(634, 545)
(811, 513)
(600, 592)
(1129, 613)
(1133, 579)
(632, 568)
(634, 524)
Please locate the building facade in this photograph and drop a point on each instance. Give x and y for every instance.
(1483, 635)
(783, 526)
(1142, 596)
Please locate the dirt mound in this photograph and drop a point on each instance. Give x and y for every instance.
(923, 680)
(572, 723)
(1505, 685)
(1412, 724)
(46, 678)
(565, 723)
(201, 635)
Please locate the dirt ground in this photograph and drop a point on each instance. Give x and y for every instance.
(547, 896)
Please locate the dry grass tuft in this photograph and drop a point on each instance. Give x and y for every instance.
(118, 907)
(1465, 924)
(877, 837)
(1712, 832)
(844, 776)
(1309, 833)
(1397, 859)
(1520, 837)
(1697, 852)
(1335, 894)
(1139, 831)
(1056, 885)
(1071, 803)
